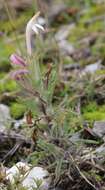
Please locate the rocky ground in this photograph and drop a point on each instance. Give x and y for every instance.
(73, 155)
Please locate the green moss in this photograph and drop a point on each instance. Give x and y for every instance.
(94, 116)
(80, 31)
(8, 86)
(7, 47)
(77, 33)
(5, 51)
(17, 110)
(11, 86)
(67, 60)
(93, 112)
(17, 23)
(100, 72)
(98, 49)
(91, 107)
(102, 108)
(95, 175)
(94, 11)
(96, 26)
(2, 75)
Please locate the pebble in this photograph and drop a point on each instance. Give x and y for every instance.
(66, 48)
(30, 177)
(64, 32)
(16, 171)
(99, 128)
(37, 174)
(92, 68)
(5, 117)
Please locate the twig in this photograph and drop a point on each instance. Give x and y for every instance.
(83, 176)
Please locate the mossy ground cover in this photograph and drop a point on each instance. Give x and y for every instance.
(92, 112)
(17, 110)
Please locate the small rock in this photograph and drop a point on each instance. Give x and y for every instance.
(2, 186)
(63, 32)
(1, 33)
(100, 150)
(17, 124)
(82, 53)
(37, 174)
(89, 40)
(99, 1)
(66, 48)
(76, 137)
(20, 5)
(41, 21)
(99, 128)
(29, 177)
(57, 188)
(92, 68)
(4, 117)
(70, 67)
(55, 9)
(16, 171)
(100, 153)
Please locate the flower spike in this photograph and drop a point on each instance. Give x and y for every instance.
(31, 28)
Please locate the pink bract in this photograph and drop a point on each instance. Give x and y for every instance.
(17, 60)
(18, 74)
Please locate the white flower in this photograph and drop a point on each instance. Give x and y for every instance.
(31, 28)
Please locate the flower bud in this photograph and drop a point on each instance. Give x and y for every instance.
(17, 60)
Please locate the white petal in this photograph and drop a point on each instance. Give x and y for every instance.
(34, 28)
(31, 27)
(39, 26)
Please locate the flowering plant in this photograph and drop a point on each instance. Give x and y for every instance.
(37, 88)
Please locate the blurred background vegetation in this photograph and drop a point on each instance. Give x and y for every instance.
(87, 37)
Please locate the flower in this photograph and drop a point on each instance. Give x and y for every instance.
(18, 74)
(31, 28)
(17, 60)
